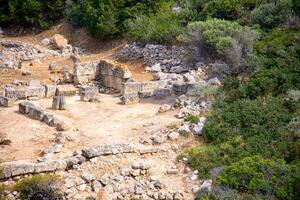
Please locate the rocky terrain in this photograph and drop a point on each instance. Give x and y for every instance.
(108, 133)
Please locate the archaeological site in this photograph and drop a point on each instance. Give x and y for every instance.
(149, 100)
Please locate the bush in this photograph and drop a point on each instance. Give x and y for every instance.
(203, 158)
(38, 187)
(272, 14)
(217, 193)
(231, 41)
(261, 123)
(107, 18)
(278, 70)
(191, 118)
(160, 28)
(38, 13)
(256, 174)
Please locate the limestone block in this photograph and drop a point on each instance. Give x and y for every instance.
(36, 91)
(129, 99)
(131, 87)
(14, 93)
(50, 91)
(66, 90)
(7, 102)
(100, 150)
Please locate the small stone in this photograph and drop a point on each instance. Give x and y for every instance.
(173, 135)
(125, 172)
(52, 66)
(46, 41)
(87, 177)
(164, 108)
(96, 186)
(105, 180)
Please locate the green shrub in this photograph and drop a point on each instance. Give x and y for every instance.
(160, 28)
(38, 187)
(38, 13)
(203, 158)
(107, 18)
(255, 174)
(217, 193)
(191, 118)
(261, 123)
(278, 70)
(272, 14)
(231, 41)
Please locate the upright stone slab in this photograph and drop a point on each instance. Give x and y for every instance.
(59, 103)
(8, 102)
(62, 103)
(55, 102)
(50, 91)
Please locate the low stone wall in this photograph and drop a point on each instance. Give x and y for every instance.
(34, 112)
(42, 91)
(23, 167)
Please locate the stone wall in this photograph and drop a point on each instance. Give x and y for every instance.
(156, 57)
(109, 75)
(42, 91)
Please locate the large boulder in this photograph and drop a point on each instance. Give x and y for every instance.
(59, 41)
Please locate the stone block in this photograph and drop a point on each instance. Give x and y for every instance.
(7, 102)
(129, 99)
(14, 93)
(47, 118)
(59, 103)
(16, 168)
(101, 150)
(162, 93)
(145, 94)
(131, 87)
(24, 107)
(50, 91)
(66, 90)
(87, 92)
(35, 91)
(38, 113)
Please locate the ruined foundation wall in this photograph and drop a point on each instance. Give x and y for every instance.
(109, 75)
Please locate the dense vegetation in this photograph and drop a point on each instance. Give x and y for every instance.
(37, 13)
(252, 135)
